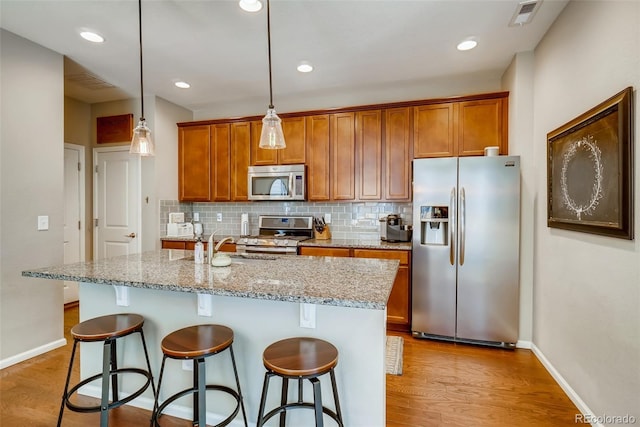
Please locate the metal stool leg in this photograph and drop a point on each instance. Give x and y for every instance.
(146, 355)
(66, 385)
(284, 394)
(114, 367)
(235, 372)
(104, 401)
(317, 401)
(336, 401)
(154, 414)
(263, 398)
(202, 389)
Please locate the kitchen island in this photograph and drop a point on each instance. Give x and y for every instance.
(263, 299)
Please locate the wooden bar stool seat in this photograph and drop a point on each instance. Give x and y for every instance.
(197, 343)
(106, 329)
(300, 358)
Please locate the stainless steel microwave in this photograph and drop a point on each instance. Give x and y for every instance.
(287, 182)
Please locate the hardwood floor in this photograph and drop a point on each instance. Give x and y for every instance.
(443, 384)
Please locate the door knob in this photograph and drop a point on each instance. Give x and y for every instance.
(132, 235)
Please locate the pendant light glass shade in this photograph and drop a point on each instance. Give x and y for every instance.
(272, 136)
(141, 142)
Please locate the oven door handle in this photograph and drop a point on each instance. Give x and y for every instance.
(280, 250)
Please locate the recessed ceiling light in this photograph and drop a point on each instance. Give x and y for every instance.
(250, 5)
(182, 85)
(305, 67)
(467, 44)
(91, 36)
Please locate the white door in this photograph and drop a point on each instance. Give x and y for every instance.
(73, 213)
(116, 202)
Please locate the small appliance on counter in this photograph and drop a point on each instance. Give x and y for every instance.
(392, 230)
(177, 227)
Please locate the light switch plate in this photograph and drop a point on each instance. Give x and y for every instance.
(43, 222)
(219, 217)
(327, 218)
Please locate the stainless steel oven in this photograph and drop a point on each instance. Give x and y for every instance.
(278, 234)
(277, 182)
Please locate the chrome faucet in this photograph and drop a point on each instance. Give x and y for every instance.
(211, 250)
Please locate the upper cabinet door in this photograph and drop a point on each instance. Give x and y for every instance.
(194, 167)
(317, 157)
(369, 155)
(343, 156)
(481, 124)
(294, 137)
(435, 130)
(397, 154)
(221, 162)
(260, 156)
(240, 154)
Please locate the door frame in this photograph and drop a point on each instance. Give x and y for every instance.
(83, 202)
(138, 191)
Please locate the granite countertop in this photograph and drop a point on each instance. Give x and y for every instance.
(205, 238)
(357, 243)
(346, 282)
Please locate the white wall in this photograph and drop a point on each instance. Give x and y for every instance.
(394, 92)
(586, 287)
(518, 80)
(32, 184)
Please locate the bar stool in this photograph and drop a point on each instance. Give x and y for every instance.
(106, 329)
(197, 343)
(300, 358)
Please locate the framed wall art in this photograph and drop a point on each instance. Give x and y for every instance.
(590, 170)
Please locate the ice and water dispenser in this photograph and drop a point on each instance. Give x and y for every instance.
(434, 225)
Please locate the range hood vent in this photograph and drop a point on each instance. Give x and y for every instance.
(524, 12)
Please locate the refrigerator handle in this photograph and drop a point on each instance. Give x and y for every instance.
(462, 224)
(452, 227)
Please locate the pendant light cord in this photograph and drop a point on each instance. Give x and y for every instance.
(269, 50)
(140, 30)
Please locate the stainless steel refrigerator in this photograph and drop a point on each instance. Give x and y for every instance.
(466, 235)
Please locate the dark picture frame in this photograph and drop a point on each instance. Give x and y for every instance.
(590, 170)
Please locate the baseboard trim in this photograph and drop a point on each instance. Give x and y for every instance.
(524, 344)
(12, 360)
(570, 392)
(174, 410)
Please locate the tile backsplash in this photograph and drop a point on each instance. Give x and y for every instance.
(356, 220)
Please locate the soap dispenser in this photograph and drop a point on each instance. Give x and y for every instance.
(199, 252)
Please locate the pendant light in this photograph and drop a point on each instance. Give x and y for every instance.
(272, 136)
(141, 142)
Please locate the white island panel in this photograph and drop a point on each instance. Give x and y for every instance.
(359, 334)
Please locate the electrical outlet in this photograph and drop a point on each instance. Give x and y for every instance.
(219, 217)
(43, 222)
(327, 218)
(196, 216)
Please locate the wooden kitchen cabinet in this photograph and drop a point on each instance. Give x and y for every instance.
(294, 137)
(240, 158)
(368, 170)
(343, 156)
(189, 245)
(399, 304)
(324, 251)
(398, 154)
(318, 141)
(460, 128)
(194, 164)
(221, 162)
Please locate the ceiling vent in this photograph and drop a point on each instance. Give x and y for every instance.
(525, 12)
(88, 80)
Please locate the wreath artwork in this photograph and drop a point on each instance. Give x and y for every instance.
(595, 154)
(589, 170)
